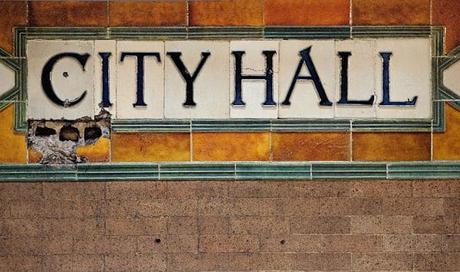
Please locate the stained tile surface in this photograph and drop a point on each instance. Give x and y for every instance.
(307, 12)
(226, 12)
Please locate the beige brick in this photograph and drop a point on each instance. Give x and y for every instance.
(301, 261)
(209, 262)
(20, 246)
(5, 209)
(437, 188)
(381, 224)
(23, 209)
(306, 189)
(228, 243)
(168, 244)
(452, 207)
(292, 243)
(303, 207)
(242, 207)
(353, 243)
(381, 189)
(73, 227)
(136, 226)
(259, 189)
(182, 225)
(151, 208)
(21, 191)
(60, 245)
(197, 189)
(320, 225)
(413, 243)
(139, 190)
(437, 262)
(105, 245)
(137, 262)
(452, 243)
(382, 261)
(259, 225)
(436, 224)
(21, 263)
(413, 206)
(21, 227)
(80, 263)
(74, 190)
(350, 206)
(74, 209)
(214, 225)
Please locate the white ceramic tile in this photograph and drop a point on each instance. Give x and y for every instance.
(361, 78)
(211, 87)
(452, 78)
(111, 47)
(410, 75)
(127, 80)
(305, 99)
(6, 79)
(68, 79)
(253, 91)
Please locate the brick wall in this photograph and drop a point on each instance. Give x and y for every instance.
(230, 226)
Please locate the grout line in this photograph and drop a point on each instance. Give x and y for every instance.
(187, 15)
(350, 144)
(431, 142)
(191, 140)
(350, 20)
(107, 10)
(431, 12)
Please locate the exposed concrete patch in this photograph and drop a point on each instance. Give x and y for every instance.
(57, 140)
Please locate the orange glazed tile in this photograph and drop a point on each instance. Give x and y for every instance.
(391, 146)
(68, 13)
(231, 146)
(12, 144)
(446, 146)
(226, 12)
(327, 146)
(12, 13)
(97, 152)
(446, 13)
(143, 13)
(393, 12)
(307, 12)
(34, 156)
(135, 147)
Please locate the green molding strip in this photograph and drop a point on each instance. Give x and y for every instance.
(22, 34)
(230, 171)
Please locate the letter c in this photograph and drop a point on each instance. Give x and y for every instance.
(46, 78)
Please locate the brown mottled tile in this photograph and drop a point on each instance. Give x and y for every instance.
(446, 145)
(12, 13)
(97, 152)
(323, 146)
(226, 12)
(307, 12)
(391, 12)
(12, 144)
(150, 147)
(68, 13)
(391, 146)
(148, 13)
(446, 13)
(231, 146)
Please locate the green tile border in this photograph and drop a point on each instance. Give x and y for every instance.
(231, 171)
(268, 32)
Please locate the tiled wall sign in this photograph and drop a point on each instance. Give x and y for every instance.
(211, 79)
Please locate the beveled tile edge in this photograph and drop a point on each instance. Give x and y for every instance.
(231, 171)
(268, 32)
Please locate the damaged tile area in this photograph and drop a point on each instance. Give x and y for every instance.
(69, 142)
